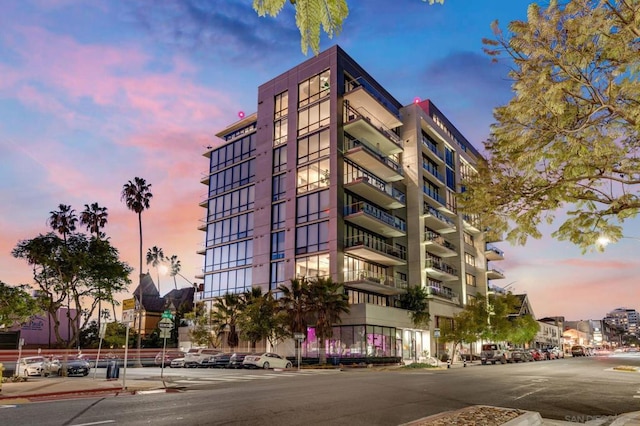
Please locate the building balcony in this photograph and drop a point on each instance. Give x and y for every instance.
(205, 178)
(442, 293)
(433, 196)
(436, 244)
(203, 225)
(494, 273)
(375, 251)
(373, 189)
(441, 271)
(493, 253)
(361, 94)
(437, 221)
(376, 283)
(372, 218)
(368, 158)
(432, 150)
(430, 168)
(362, 125)
(471, 224)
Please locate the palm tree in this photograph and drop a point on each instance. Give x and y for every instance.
(224, 317)
(137, 197)
(327, 303)
(293, 304)
(64, 221)
(174, 269)
(155, 257)
(94, 218)
(416, 301)
(259, 319)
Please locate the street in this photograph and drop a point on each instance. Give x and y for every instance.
(574, 389)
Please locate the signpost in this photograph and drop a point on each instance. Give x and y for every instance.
(128, 316)
(102, 332)
(300, 338)
(436, 334)
(165, 325)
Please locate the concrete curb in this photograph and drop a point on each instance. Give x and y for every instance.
(529, 418)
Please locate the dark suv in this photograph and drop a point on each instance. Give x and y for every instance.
(236, 360)
(578, 350)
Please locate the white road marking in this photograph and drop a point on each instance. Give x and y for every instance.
(528, 393)
(104, 422)
(8, 406)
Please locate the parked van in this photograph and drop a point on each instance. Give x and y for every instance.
(495, 352)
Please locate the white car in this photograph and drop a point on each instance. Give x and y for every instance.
(35, 366)
(266, 360)
(177, 363)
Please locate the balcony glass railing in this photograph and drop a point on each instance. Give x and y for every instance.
(443, 292)
(376, 245)
(496, 270)
(431, 193)
(356, 143)
(375, 212)
(433, 148)
(428, 210)
(361, 82)
(496, 250)
(438, 239)
(356, 113)
(441, 266)
(378, 183)
(431, 169)
(382, 279)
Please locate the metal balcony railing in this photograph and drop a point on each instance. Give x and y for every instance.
(443, 292)
(427, 209)
(438, 239)
(441, 266)
(431, 193)
(433, 148)
(382, 279)
(356, 143)
(376, 245)
(373, 211)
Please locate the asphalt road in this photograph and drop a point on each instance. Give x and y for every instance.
(575, 389)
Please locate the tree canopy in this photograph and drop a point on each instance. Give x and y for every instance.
(312, 17)
(16, 305)
(569, 139)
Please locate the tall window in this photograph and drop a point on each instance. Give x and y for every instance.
(312, 207)
(470, 279)
(281, 102)
(313, 147)
(278, 216)
(314, 88)
(312, 266)
(280, 159)
(313, 118)
(277, 275)
(469, 259)
(280, 131)
(312, 238)
(313, 176)
(279, 187)
(277, 245)
(281, 110)
(468, 238)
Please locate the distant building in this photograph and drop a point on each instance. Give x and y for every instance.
(38, 331)
(624, 318)
(551, 333)
(153, 305)
(578, 333)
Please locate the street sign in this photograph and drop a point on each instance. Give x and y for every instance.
(167, 314)
(128, 316)
(128, 304)
(103, 330)
(165, 324)
(436, 332)
(299, 336)
(165, 333)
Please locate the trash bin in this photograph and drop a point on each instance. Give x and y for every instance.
(113, 370)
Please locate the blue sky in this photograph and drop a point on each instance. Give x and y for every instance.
(95, 93)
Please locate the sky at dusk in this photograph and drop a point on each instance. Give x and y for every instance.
(93, 94)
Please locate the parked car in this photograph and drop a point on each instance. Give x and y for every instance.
(266, 360)
(177, 363)
(536, 355)
(578, 350)
(236, 359)
(220, 360)
(495, 352)
(78, 367)
(35, 366)
(168, 357)
(559, 352)
(194, 356)
(549, 353)
(521, 355)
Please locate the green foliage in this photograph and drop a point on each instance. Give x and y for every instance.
(417, 365)
(469, 325)
(569, 137)
(224, 317)
(524, 330)
(16, 305)
(115, 334)
(201, 333)
(326, 303)
(78, 272)
(415, 301)
(310, 16)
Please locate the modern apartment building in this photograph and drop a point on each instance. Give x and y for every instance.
(335, 177)
(625, 318)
